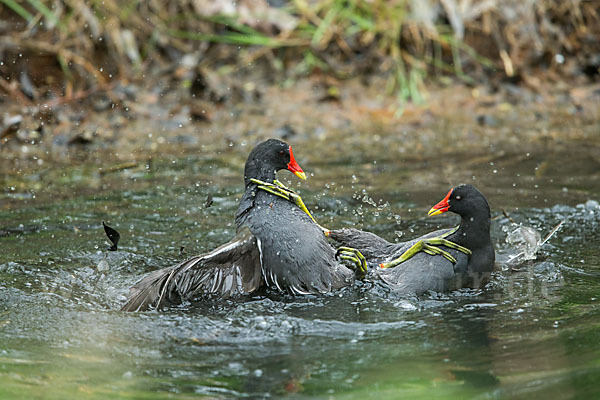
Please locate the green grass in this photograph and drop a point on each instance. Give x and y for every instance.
(399, 46)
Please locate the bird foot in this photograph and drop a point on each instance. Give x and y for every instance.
(279, 189)
(429, 246)
(355, 257)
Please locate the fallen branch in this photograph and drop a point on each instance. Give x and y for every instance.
(13, 91)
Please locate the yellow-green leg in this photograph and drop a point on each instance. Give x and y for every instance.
(429, 246)
(279, 189)
(354, 256)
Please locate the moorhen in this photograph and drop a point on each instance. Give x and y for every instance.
(277, 244)
(419, 265)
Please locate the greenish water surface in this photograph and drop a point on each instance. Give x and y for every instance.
(533, 332)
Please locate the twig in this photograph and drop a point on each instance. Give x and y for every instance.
(119, 167)
(10, 89)
(507, 216)
(78, 95)
(552, 232)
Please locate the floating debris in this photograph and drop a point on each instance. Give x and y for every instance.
(209, 201)
(113, 236)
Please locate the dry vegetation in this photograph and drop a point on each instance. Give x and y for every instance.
(65, 48)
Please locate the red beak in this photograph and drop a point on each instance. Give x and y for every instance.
(442, 206)
(294, 167)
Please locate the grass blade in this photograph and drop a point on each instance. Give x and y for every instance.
(16, 7)
(45, 11)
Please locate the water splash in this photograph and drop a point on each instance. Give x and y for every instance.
(528, 241)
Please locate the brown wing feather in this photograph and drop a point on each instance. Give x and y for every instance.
(230, 270)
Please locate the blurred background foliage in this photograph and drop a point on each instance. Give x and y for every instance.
(53, 47)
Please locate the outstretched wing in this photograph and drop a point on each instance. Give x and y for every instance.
(230, 270)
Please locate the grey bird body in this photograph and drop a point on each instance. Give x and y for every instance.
(424, 272)
(296, 256)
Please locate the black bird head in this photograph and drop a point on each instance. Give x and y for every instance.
(464, 200)
(473, 231)
(269, 157)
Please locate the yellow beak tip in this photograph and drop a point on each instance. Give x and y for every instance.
(301, 175)
(433, 212)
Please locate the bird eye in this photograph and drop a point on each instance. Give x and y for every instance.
(281, 152)
(458, 197)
